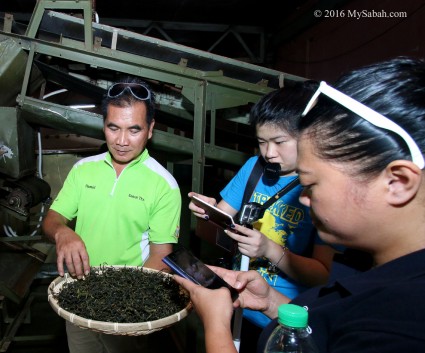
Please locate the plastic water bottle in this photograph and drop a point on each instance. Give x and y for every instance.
(292, 335)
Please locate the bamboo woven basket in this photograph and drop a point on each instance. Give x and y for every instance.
(114, 328)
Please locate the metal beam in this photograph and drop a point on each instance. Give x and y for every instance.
(84, 123)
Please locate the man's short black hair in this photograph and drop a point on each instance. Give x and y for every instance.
(127, 99)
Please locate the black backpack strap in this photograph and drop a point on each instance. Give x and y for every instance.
(256, 211)
(288, 187)
(255, 175)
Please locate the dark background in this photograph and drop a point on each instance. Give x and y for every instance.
(296, 39)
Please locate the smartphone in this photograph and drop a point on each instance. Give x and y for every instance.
(187, 265)
(217, 216)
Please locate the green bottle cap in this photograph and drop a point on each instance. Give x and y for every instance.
(292, 315)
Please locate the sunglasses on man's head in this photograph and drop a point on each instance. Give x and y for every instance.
(136, 89)
(368, 114)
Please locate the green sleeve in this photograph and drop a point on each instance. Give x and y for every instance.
(164, 223)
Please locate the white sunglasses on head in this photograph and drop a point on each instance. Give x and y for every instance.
(368, 114)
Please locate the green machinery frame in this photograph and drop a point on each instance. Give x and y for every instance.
(213, 82)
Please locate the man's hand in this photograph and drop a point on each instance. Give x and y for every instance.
(71, 249)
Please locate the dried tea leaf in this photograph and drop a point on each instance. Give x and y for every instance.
(123, 295)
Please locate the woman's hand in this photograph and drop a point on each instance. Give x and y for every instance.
(254, 292)
(308, 271)
(198, 211)
(214, 306)
(251, 242)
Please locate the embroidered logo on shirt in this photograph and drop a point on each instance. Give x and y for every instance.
(90, 186)
(136, 197)
(177, 233)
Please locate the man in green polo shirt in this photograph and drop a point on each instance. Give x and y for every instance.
(126, 205)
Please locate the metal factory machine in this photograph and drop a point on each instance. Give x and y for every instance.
(64, 50)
